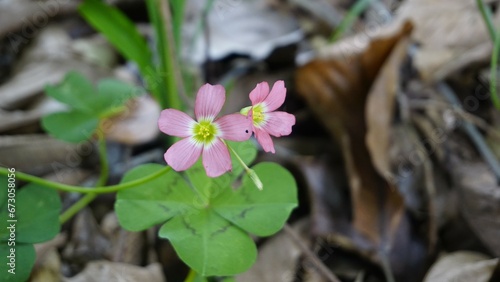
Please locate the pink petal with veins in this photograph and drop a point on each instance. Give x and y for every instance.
(235, 127)
(259, 93)
(183, 154)
(276, 97)
(279, 123)
(216, 159)
(209, 101)
(175, 123)
(264, 139)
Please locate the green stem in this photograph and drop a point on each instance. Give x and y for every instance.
(76, 207)
(103, 177)
(191, 276)
(486, 14)
(165, 48)
(349, 19)
(253, 175)
(78, 189)
(493, 72)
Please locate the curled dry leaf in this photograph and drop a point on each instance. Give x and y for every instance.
(462, 267)
(337, 89)
(479, 196)
(138, 124)
(381, 107)
(451, 33)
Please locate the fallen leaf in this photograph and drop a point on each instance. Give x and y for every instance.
(462, 266)
(381, 108)
(277, 259)
(479, 196)
(237, 27)
(118, 272)
(337, 87)
(451, 34)
(337, 90)
(137, 125)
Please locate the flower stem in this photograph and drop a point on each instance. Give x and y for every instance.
(253, 175)
(191, 276)
(85, 190)
(76, 207)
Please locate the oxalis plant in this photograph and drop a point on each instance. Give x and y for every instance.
(207, 199)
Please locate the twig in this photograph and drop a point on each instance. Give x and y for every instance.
(473, 132)
(322, 269)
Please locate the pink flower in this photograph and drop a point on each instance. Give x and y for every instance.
(267, 121)
(204, 136)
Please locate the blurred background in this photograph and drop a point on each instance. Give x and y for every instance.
(395, 149)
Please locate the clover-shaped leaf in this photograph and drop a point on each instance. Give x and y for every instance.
(206, 220)
(87, 105)
(32, 216)
(72, 126)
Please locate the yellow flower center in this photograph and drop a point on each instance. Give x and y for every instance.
(257, 112)
(204, 132)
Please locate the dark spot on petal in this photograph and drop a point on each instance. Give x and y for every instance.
(246, 131)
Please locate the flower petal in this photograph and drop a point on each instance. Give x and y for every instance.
(235, 127)
(264, 139)
(209, 101)
(276, 97)
(183, 154)
(175, 123)
(259, 93)
(279, 123)
(216, 159)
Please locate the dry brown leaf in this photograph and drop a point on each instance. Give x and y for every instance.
(39, 154)
(126, 246)
(381, 107)
(136, 125)
(118, 272)
(277, 258)
(462, 266)
(336, 90)
(479, 195)
(452, 34)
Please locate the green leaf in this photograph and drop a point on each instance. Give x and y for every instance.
(153, 202)
(119, 30)
(36, 215)
(73, 126)
(210, 244)
(24, 259)
(113, 94)
(74, 91)
(208, 228)
(35, 211)
(260, 212)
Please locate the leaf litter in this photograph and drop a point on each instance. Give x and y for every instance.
(391, 183)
